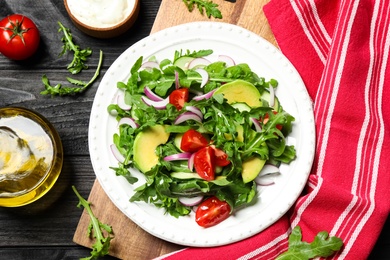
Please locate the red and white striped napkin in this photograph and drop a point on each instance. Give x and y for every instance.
(341, 50)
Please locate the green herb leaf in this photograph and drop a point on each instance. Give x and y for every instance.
(209, 7)
(79, 55)
(75, 67)
(61, 90)
(96, 228)
(322, 246)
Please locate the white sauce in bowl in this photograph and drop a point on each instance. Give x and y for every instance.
(101, 13)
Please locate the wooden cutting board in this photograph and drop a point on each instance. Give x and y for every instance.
(132, 242)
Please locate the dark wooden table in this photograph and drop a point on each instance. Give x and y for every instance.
(44, 230)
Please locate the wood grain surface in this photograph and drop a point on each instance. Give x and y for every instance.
(131, 242)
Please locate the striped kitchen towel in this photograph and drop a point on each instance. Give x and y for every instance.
(341, 50)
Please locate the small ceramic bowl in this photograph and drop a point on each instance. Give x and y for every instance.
(87, 25)
(31, 156)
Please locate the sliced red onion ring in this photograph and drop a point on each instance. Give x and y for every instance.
(227, 59)
(264, 182)
(191, 162)
(205, 96)
(205, 76)
(151, 95)
(271, 96)
(269, 169)
(198, 62)
(129, 121)
(156, 104)
(177, 82)
(256, 123)
(187, 116)
(267, 175)
(121, 102)
(191, 201)
(116, 153)
(178, 156)
(150, 65)
(195, 110)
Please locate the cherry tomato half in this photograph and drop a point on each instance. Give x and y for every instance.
(192, 141)
(19, 37)
(211, 212)
(178, 97)
(204, 163)
(221, 158)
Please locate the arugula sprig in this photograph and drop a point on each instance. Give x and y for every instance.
(65, 90)
(79, 55)
(209, 7)
(102, 243)
(75, 67)
(322, 246)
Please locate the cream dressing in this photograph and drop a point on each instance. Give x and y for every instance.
(101, 13)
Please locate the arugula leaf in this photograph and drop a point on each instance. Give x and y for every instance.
(79, 55)
(61, 90)
(322, 246)
(75, 67)
(193, 54)
(101, 246)
(209, 7)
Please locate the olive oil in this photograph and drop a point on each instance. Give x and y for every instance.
(31, 156)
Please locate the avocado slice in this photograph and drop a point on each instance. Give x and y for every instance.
(145, 145)
(240, 134)
(240, 91)
(251, 168)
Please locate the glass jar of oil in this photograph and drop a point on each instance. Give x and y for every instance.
(31, 156)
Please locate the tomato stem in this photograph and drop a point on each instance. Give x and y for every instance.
(16, 30)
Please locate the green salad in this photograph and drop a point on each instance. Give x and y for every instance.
(201, 129)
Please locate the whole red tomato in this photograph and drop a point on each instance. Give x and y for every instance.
(19, 37)
(211, 212)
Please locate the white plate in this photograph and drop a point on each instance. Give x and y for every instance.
(263, 58)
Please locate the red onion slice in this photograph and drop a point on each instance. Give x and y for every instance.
(116, 153)
(190, 201)
(256, 123)
(227, 59)
(267, 175)
(129, 121)
(151, 95)
(191, 162)
(269, 169)
(177, 82)
(195, 110)
(121, 102)
(178, 157)
(263, 182)
(187, 116)
(205, 76)
(156, 104)
(271, 96)
(205, 96)
(150, 65)
(198, 62)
